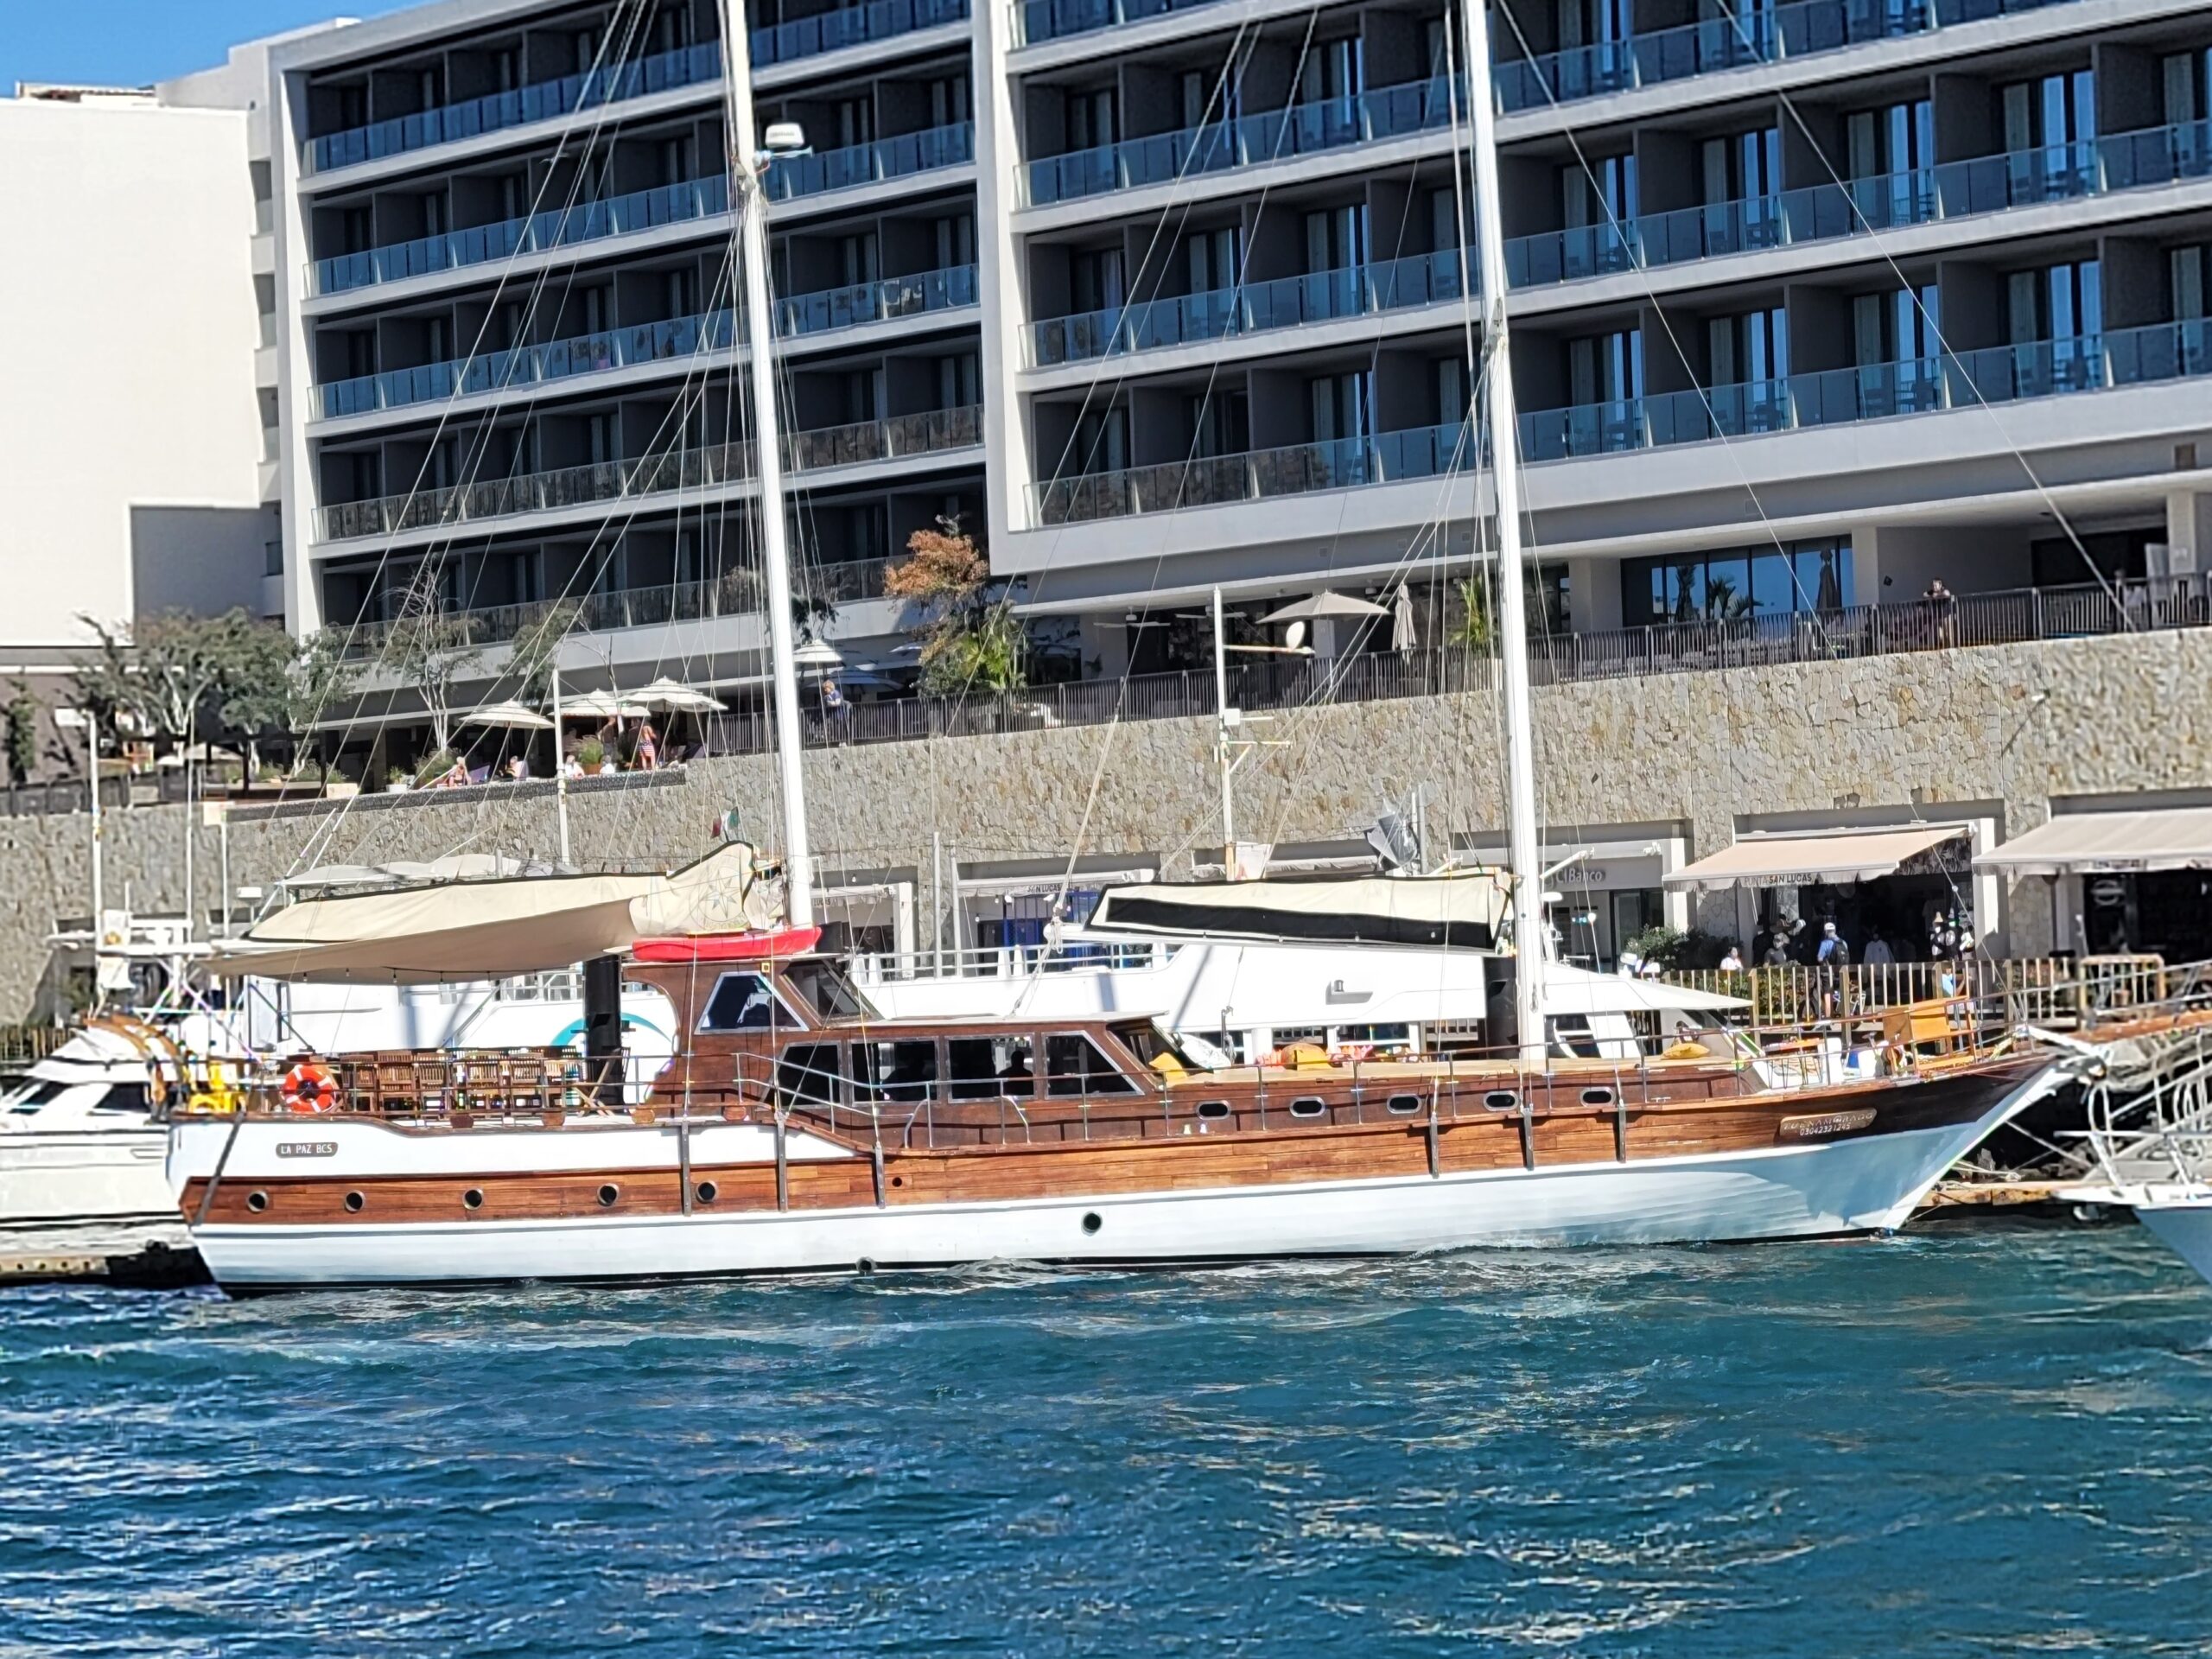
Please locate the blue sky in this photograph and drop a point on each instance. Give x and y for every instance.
(129, 42)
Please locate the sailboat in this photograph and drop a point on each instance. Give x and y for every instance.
(797, 1130)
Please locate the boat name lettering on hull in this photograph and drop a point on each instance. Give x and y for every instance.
(307, 1149)
(1801, 1129)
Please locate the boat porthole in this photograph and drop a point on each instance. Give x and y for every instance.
(1403, 1105)
(1092, 1224)
(1309, 1106)
(897, 1180)
(1597, 1097)
(706, 1190)
(256, 1202)
(608, 1193)
(1501, 1100)
(354, 1201)
(1213, 1109)
(867, 1266)
(473, 1198)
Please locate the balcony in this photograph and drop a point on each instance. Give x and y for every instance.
(560, 227)
(545, 100)
(714, 466)
(1755, 37)
(737, 592)
(1227, 313)
(1297, 129)
(1296, 469)
(1053, 20)
(1982, 184)
(679, 340)
(2125, 357)
(844, 26)
(886, 159)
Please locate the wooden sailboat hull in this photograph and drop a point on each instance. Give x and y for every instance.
(1072, 1203)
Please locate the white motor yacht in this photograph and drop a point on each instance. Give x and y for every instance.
(80, 1142)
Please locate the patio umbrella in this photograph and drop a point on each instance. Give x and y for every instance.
(514, 716)
(1402, 637)
(673, 695)
(603, 705)
(1325, 606)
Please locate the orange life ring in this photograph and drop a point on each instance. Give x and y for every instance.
(310, 1088)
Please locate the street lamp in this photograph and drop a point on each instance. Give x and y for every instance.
(85, 721)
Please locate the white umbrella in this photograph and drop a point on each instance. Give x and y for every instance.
(602, 705)
(513, 715)
(1402, 637)
(1325, 606)
(666, 693)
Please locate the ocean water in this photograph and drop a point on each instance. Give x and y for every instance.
(1994, 1442)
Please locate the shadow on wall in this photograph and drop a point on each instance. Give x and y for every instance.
(201, 559)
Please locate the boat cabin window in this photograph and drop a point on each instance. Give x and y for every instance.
(894, 1072)
(37, 1095)
(807, 1074)
(744, 1001)
(1571, 1034)
(1074, 1065)
(987, 1068)
(124, 1097)
(825, 991)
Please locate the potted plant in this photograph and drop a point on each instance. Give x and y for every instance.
(399, 780)
(591, 754)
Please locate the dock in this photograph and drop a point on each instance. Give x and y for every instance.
(1957, 1200)
(154, 1266)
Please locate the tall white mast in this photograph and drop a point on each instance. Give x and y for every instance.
(1512, 620)
(1223, 726)
(749, 198)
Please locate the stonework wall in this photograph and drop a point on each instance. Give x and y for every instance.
(2009, 725)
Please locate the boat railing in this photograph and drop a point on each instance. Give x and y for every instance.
(2054, 992)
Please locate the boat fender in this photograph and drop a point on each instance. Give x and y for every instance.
(310, 1088)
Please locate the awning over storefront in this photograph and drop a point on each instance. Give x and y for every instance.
(2165, 838)
(1827, 860)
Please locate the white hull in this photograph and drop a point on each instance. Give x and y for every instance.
(94, 1176)
(2183, 1222)
(1843, 1186)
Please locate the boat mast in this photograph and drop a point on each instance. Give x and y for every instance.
(1521, 852)
(749, 199)
(1223, 726)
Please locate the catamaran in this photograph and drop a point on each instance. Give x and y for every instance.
(797, 1129)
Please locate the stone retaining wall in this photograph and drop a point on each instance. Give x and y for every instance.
(2015, 724)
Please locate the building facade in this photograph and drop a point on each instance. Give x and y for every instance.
(1837, 327)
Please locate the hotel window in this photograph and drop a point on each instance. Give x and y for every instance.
(1604, 194)
(1333, 69)
(2049, 111)
(1095, 280)
(2187, 77)
(1336, 238)
(955, 241)
(1736, 584)
(2192, 278)
(1743, 167)
(1212, 257)
(2057, 303)
(1102, 441)
(1606, 368)
(1090, 118)
(1896, 139)
(1748, 349)
(1339, 407)
(948, 101)
(1896, 327)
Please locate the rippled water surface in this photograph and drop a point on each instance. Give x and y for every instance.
(1981, 1442)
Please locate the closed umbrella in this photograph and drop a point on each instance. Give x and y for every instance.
(1402, 637)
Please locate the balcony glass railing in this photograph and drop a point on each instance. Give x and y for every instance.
(2164, 351)
(1296, 469)
(887, 158)
(2158, 351)
(544, 100)
(713, 466)
(1052, 20)
(647, 342)
(1754, 35)
(1981, 184)
(1222, 313)
(843, 26)
(586, 221)
(1298, 130)
(739, 593)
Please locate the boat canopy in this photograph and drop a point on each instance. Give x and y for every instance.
(2163, 838)
(1802, 861)
(494, 930)
(1462, 910)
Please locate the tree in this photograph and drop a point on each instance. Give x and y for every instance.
(537, 641)
(178, 673)
(21, 734)
(253, 692)
(318, 676)
(970, 637)
(432, 649)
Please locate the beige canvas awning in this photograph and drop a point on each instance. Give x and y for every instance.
(2164, 838)
(494, 929)
(1805, 861)
(1462, 910)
